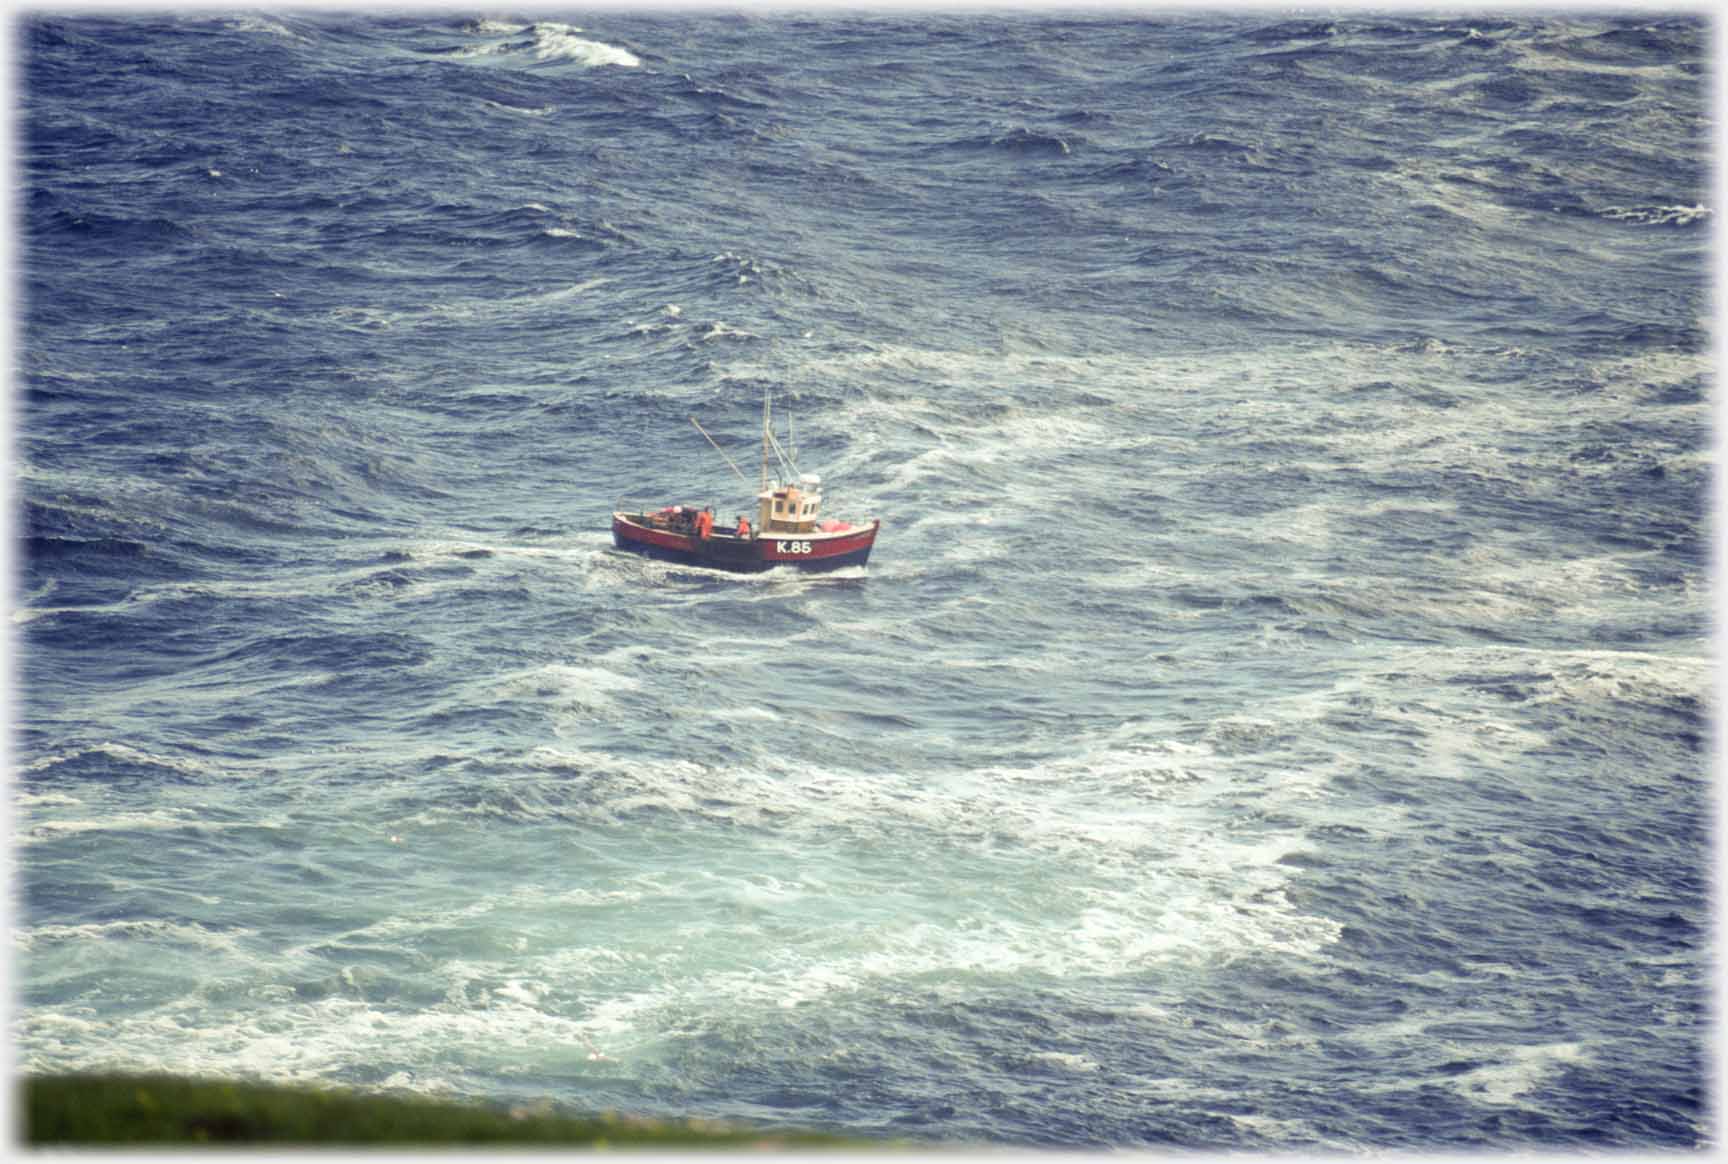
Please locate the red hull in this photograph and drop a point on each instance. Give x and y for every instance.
(725, 551)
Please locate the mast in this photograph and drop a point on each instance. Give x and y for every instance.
(764, 502)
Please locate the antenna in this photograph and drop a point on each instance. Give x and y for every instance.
(786, 464)
(764, 438)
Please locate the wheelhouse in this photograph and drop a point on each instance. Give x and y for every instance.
(790, 508)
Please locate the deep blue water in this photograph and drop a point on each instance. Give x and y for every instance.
(1276, 713)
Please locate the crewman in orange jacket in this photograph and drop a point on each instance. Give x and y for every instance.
(743, 527)
(704, 523)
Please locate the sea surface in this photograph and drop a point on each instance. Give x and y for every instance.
(1277, 714)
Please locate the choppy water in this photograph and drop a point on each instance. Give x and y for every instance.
(1276, 713)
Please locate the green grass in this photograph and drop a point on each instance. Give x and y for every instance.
(123, 1109)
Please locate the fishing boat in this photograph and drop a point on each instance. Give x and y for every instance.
(789, 528)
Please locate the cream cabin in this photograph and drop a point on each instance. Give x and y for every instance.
(790, 508)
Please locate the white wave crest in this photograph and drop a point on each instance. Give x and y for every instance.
(545, 41)
(541, 111)
(1657, 215)
(44, 799)
(257, 22)
(147, 930)
(1522, 1072)
(568, 685)
(126, 754)
(559, 42)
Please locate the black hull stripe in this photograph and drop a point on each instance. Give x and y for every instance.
(750, 565)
